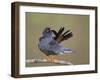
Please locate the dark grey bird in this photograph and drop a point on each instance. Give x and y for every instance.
(50, 42)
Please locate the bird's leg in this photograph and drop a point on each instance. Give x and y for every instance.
(53, 58)
(50, 58)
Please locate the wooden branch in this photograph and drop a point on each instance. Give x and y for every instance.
(45, 61)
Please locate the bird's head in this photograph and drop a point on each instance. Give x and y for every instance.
(47, 29)
(47, 32)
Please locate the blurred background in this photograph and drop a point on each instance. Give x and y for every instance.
(78, 24)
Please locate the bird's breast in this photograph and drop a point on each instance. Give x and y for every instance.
(43, 44)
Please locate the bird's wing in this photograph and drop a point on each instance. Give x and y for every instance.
(55, 47)
(58, 49)
(66, 35)
(60, 32)
(55, 33)
(52, 47)
(60, 36)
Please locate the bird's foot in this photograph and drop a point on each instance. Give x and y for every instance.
(50, 59)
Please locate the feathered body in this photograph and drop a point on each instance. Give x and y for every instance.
(50, 45)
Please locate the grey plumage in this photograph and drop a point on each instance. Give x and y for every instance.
(48, 44)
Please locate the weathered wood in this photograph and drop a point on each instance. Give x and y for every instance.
(45, 61)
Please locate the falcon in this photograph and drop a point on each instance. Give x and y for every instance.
(50, 42)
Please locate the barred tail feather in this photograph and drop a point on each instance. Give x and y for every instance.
(60, 36)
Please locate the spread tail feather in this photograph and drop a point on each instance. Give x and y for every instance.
(60, 36)
(59, 33)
